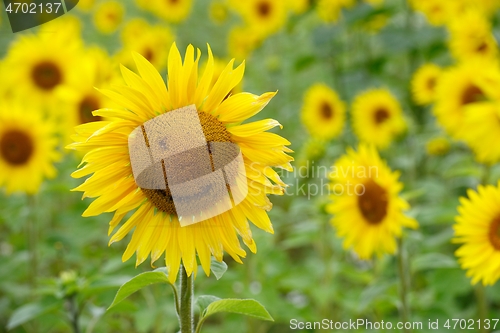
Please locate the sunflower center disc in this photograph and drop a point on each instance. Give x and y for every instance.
(381, 115)
(326, 110)
(16, 147)
(472, 94)
(373, 202)
(264, 8)
(85, 108)
(186, 165)
(46, 75)
(494, 233)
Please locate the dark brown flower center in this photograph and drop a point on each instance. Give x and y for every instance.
(482, 48)
(472, 94)
(214, 131)
(326, 110)
(373, 202)
(494, 233)
(16, 147)
(431, 83)
(87, 105)
(381, 115)
(148, 54)
(264, 8)
(46, 75)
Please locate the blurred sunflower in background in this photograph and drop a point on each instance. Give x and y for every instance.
(471, 36)
(477, 230)
(174, 11)
(330, 11)
(323, 112)
(241, 42)
(28, 146)
(108, 16)
(377, 117)
(367, 210)
(299, 6)
(424, 82)
(438, 12)
(466, 84)
(43, 62)
(157, 226)
(438, 146)
(264, 17)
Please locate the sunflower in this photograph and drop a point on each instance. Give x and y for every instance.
(152, 42)
(85, 5)
(299, 6)
(467, 84)
(241, 42)
(423, 84)
(366, 207)
(471, 36)
(438, 12)
(43, 63)
(437, 146)
(477, 229)
(483, 126)
(264, 17)
(157, 224)
(323, 112)
(219, 11)
(330, 10)
(108, 16)
(27, 147)
(174, 11)
(377, 117)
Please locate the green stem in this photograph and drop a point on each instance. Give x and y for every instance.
(404, 284)
(32, 240)
(74, 313)
(185, 306)
(482, 306)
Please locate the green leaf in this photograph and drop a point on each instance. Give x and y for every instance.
(433, 261)
(218, 268)
(30, 311)
(159, 275)
(247, 307)
(204, 301)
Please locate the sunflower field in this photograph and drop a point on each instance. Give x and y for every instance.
(270, 166)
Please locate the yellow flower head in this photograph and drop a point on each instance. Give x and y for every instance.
(438, 146)
(108, 16)
(366, 207)
(174, 11)
(241, 42)
(424, 82)
(264, 17)
(477, 229)
(155, 222)
(323, 112)
(27, 147)
(377, 117)
(471, 36)
(219, 11)
(438, 12)
(299, 6)
(461, 86)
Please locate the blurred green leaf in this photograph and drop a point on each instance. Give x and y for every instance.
(218, 268)
(432, 261)
(159, 275)
(30, 311)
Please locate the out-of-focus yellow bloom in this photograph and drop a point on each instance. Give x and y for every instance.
(367, 210)
(152, 42)
(477, 229)
(438, 12)
(85, 5)
(174, 11)
(464, 85)
(424, 82)
(374, 3)
(330, 10)
(108, 16)
(27, 147)
(43, 63)
(377, 117)
(299, 6)
(437, 146)
(264, 17)
(482, 131)
(219, 11)
(241, 42)
(471, 36)
(375, 23)
(323, 112)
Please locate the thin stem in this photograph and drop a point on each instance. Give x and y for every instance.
(73, 313)
(482, 306)
(32, 230)
(185, 313)
(404, 284)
